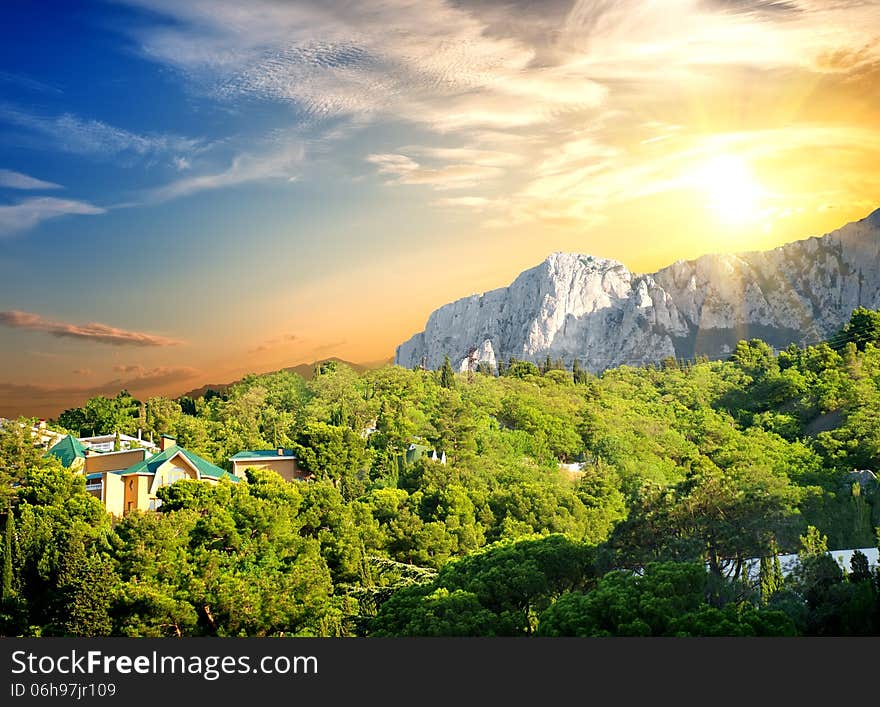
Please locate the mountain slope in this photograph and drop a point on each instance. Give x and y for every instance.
(594, 309)
(306, 370)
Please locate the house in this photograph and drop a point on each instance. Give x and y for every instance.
(70, 453)
(106, 443)
(280, 460)
(129, 479)
(418, 451)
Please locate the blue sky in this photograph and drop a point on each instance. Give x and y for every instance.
(191, 191)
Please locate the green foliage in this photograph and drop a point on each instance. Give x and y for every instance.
(447, 376)
(102, 415)
(500, 590)
(770, 575)
(707, 464)
(667, 599)
(862, 329)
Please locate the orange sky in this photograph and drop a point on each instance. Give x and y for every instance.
(490, 136)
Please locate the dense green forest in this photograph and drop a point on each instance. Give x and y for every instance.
(687, 469)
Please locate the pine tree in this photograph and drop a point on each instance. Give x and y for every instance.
(770, 574)
(85, 583)
(813, 543)
(861, 569)
(576, 372)
(7, 589)
(447, 377)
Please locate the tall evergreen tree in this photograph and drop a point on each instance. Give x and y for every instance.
(6, 586)
(770, 574)
(861, 569)
(85, 585)
(447, 376)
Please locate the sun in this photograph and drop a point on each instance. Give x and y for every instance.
(733, 193)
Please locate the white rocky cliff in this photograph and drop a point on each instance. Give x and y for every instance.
(578, 306)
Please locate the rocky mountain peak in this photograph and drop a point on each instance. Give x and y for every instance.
(575, 305)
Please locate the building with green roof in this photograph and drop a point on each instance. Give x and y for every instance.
(70, 452)
(281, 460)
(129, 480)
(418, 451)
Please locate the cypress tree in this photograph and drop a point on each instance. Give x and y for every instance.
(771, 578)
(447, 377)
(576, 373)
(6, 588)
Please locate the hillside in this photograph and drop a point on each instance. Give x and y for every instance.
(306, 370)
(556, 485)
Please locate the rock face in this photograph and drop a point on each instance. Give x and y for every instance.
(578, 306)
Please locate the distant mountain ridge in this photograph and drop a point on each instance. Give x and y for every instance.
(306, 370)
(578, 306)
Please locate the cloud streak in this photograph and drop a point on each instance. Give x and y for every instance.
(17, 180)
(93, 331)
(81, 136)
(31, 212)
(533, 76)
(277, 342)
(281, 162)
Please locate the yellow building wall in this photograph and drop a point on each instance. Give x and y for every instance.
(136, 496)
(286, 468)
(114, 493)
(113, 462)
(174, 469)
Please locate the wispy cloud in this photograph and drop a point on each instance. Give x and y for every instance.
(93, 331)
(17, 180)
(534, 74)
(277, 342)
(400, 169)
(28, 83)
(82, 136)
(279, 162)
(468, 202)
(137, 375)
(31, 212)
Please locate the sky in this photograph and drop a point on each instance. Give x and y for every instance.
(194, 191)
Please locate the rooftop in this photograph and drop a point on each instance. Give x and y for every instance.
(68, 450)
(263, 454)
(206, 468)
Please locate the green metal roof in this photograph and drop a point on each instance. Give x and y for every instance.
(413, 453)
(149, 466)
(67, 450)
(259, 453)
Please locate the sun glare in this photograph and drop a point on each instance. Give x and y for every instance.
(734, 195)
